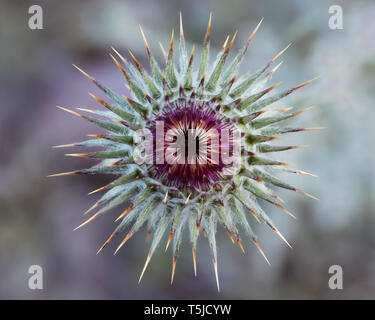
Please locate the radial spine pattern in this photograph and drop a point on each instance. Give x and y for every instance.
(199, 195)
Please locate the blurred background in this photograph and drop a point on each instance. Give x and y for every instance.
(37, 214)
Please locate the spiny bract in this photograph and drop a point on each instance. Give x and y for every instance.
(172, 196)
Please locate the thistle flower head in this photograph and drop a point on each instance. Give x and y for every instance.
(188, 147)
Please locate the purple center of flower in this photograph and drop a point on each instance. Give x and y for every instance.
(191, 141)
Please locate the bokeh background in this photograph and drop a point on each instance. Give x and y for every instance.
(37, 214)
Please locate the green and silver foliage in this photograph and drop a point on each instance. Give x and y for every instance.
(165, 208)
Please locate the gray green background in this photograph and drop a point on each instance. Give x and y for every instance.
(37, 214)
